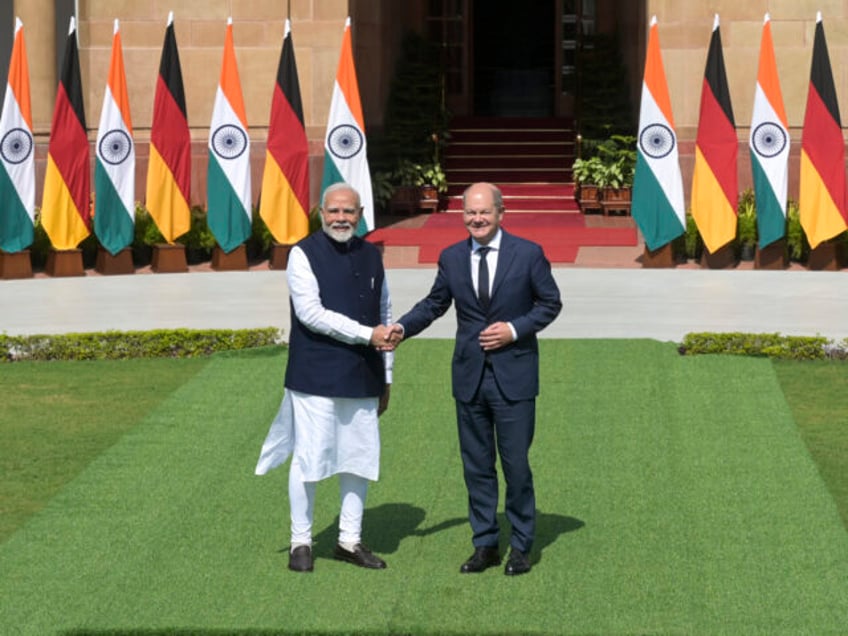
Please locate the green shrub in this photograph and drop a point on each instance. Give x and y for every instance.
(771, 345)
(796, 239)
(115, 345)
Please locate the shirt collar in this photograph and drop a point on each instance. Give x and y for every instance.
(495, 243)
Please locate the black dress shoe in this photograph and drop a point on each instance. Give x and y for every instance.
(361, 556)
(518, 563)
(300, 559)
(481, 559)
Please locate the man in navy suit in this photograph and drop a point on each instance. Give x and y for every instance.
(504, 294)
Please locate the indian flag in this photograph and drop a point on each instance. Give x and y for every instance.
(658, 205)
(17, 178)
(228, 175)
(769, 144)
(114, 170)
(345, 156)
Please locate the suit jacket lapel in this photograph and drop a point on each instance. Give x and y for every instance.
(506, 254)
(467, 280)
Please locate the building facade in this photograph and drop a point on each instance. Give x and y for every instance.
(498, 58)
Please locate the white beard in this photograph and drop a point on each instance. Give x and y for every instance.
(339, 235)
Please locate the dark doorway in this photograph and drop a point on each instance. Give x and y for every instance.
(513, 57)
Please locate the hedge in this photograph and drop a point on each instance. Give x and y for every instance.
(116, 345)
(771, 345)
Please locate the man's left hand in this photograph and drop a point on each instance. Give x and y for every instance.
(495, 336)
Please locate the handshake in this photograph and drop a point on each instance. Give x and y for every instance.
(386, 337)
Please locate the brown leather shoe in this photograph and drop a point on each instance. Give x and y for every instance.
(300, 559)
(361, 556)
(482, 559)
(518, 563)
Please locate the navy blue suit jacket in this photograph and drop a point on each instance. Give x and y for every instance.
(524, 293)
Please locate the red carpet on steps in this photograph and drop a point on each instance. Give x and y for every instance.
(560, 234)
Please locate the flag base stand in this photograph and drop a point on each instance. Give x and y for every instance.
(169, 258)
(772, 256)
(828, 256)
(279, 257)
(110, 264)
(62, 263)
(723, 258)
(15, 265)
(660, 257)
(236, 260)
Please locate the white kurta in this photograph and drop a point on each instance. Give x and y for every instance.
(325, 436)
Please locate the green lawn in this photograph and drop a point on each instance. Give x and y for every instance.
(675, 495)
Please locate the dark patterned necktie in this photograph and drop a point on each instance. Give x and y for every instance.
(483, 277)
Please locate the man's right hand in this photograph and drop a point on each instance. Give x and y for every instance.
(386, 337)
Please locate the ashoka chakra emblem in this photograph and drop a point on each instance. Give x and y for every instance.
(656, 140)
(16, 146)
(345, 141)
(229, 141)
(115, 147)
(769, 139)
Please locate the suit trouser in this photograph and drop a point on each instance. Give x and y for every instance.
(490, 425)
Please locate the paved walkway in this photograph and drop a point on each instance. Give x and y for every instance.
(600, 302)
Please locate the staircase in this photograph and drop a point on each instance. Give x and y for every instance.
(528, 158)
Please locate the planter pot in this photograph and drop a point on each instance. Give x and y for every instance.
(64, 263)
(108, 264)
(747, 252)
(404, 200)
(827, 256)
(615, 200)
(609, 194)
(772, 256)
(234, 260)
(15, 264)
(588, 197)
(169, 259)
(723, 258)
(279, 255)
(659, 258)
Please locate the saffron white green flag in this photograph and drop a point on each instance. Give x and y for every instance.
(345, 157)
(114, 170)
(769, 144)
(17, 176)
(228, 176)
(658, 205)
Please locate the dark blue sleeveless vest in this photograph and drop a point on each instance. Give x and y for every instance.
(350, 281)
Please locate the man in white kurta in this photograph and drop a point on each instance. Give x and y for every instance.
(327, 434)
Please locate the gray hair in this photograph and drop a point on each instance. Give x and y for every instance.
(339, 186)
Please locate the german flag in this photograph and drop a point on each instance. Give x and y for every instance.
(821, 200)
(65, 205)
(169, 166)
(284, 202)
(715, 189)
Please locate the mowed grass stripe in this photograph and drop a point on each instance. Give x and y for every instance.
(675, 495)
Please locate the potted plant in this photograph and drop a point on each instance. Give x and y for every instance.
(588, 174)
(417, 185)
(618, 155)
(796, 238)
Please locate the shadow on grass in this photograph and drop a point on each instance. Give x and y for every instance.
(385, 526)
